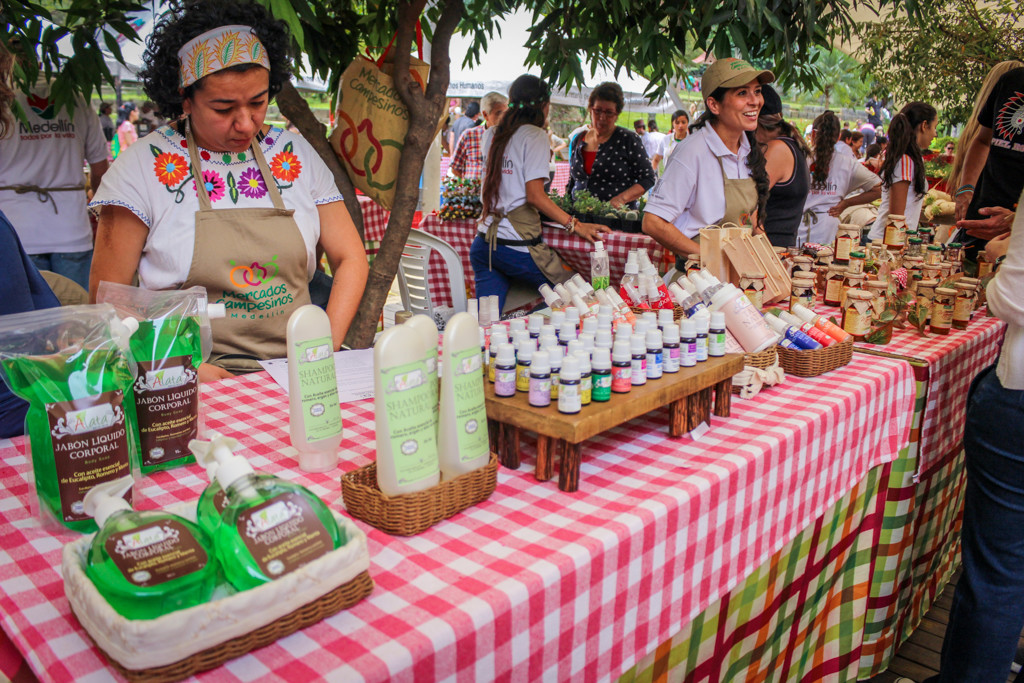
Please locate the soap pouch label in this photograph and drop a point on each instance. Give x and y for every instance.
(167, 408)
(90, 446)
(156, 553)
(283, 534)
(470, 412)
(319, 388)
(411, 401)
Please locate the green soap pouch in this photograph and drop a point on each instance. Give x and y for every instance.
(73, 366)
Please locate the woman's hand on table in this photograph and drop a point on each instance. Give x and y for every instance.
(211, 373)
(997, 247)
(590, 231)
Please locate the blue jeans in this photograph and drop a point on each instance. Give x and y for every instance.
(73, 265)
(507, 266)
(988, 606)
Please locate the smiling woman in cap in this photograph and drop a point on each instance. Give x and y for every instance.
(249, 229)
(716, 175)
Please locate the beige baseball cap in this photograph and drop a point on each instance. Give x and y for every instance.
(730, 72)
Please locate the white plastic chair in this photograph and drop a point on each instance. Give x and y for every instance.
(413, 273)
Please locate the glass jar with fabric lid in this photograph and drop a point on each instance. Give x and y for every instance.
(857, 260)
(802, 264)
(895, 232)
(752, 285)
(833, 289)
(857, 313)
(942, 310)
(963, 307)
(878, 290)
(933, 255)
(852, 281)
(847, 239)
(803, 291)
(925, 294)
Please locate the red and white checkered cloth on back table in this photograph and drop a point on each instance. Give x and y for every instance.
(375, 221)
(954, 360)
(533, 583)
(573, 250)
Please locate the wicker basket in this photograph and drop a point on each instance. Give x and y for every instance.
(677, 312)
(340, 598)
(412, 513)
(813, 363)
(761, 359)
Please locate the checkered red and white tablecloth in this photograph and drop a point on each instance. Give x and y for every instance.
(573, 250)
(533, 583)
(953, 361)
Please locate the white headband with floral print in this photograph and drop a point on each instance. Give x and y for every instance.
(219, 49)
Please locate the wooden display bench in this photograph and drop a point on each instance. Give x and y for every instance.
(687, 393)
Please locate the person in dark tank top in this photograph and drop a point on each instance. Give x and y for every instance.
(788, 174)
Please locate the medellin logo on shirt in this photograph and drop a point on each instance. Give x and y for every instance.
(257, 294)
(41, 106)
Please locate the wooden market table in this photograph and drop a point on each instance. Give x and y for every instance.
(536, 583)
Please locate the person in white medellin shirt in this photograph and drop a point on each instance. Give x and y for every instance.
(508, 247)
(655, 139)
(42, 187)
(833, 177)
(903, 181)
(680, 129)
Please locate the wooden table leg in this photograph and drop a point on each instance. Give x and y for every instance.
(677, 416)
(569, 475)
(699, 409)
(705, 406)
(509, 455)
(723, 398)
(546, 447)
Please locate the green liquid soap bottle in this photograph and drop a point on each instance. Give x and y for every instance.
(269, 526)
(146, 563)
(213, 500)
(71, 365)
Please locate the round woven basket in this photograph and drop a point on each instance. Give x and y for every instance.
(677, 312)
(761, 359)
(409, 514)
(817, 362)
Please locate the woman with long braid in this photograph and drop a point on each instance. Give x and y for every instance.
(833, 178)
(508, 246)
(903, 180)
(717, 174)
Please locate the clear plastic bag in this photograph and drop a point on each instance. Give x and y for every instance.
(172, 340)
(73, 366)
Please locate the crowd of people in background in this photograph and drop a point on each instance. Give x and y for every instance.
(133, 122)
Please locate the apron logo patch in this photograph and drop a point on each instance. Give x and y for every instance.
(256, 294)
(253, 275)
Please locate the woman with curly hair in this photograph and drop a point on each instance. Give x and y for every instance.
(248, 230)
(717, 174)
(508, 247)
(834, 179)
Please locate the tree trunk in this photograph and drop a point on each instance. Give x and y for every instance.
(293, 106)
(424, 113)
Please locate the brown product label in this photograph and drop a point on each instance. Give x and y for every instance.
(167, 407)
(942, 315)
(855, 323)
(833, 289)
(283, 534)
(155, 553)
(90, 446)
(963, 308)
(843, 246)
(220, 499)
(895, 235)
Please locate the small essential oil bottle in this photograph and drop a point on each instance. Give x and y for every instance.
(638, 354)
(505, 371)
(655, 354)
(601, 375)
(702, 337)
(586, 377)
(670, 348)
(569, 401)
(622, 368)
(540, 380)
(716, 335)
(523, 359)
(687, 344)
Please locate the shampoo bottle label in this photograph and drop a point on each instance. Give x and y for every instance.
(319, 388)
(156, 553)
(90, 446)
(283, 534)
(470, 411)
(411, 403)
(167, 407)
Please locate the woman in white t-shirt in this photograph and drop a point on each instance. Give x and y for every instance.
(833, 178)
(508, 247)
(903, 180)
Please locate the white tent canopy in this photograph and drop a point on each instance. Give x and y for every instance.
(505, 60)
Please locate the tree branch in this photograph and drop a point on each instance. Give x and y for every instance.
(292, 105)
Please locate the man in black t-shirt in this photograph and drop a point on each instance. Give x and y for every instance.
(873, 110)
(994, 163)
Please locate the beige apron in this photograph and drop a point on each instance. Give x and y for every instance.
(526, 220)
(254, 262)
(740, 205)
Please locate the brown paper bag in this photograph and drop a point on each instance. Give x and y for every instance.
(371, 125)
(712, 251)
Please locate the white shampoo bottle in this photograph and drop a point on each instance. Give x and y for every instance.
(405, 411)
(462, 440)
(315, 413)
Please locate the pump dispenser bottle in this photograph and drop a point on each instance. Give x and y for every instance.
(146, 563)
(315, 412)
(405, 411)
(269, 527)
